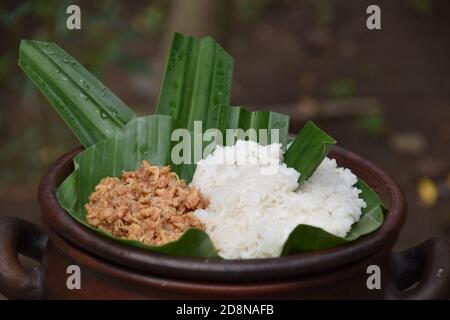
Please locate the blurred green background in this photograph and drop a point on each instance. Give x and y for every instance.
(384, 94)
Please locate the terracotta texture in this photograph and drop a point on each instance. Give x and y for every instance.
(112, 270)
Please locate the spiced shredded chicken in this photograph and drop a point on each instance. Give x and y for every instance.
(150, 204)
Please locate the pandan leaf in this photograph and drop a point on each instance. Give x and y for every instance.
(91, 110)
(309, 238)
(241, 118)
(196, 87)
(308, 150)
(196, 81)
(145, 138)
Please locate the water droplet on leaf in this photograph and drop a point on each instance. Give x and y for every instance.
(112, 110)
(103, 115)
(84, 84)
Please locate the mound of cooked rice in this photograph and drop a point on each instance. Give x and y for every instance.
(255, 204)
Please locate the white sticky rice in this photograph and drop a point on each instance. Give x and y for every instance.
(255, 204)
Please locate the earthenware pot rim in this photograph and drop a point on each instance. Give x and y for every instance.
(227, 270)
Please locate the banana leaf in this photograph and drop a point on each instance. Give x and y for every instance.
(308, 150)
(196, 81)
(309, 238)
(145, 138)
(91, 110)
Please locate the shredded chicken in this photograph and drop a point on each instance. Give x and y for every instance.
(151, 205)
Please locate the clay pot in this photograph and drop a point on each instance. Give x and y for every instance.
(109, 269)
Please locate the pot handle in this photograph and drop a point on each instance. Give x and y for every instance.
(20, 236)
(421, 272)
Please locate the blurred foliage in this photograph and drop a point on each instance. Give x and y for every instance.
(368, 70)
(370, 124)
(26, 152)
(421, 6)
(109, 30)
(151, 19)
(251, 9)
(12, 153)
(342, 88)
(324, 11)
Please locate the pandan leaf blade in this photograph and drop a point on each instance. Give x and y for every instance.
(91, 110)
(275, 124)
(308, 150)
(196, 82)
